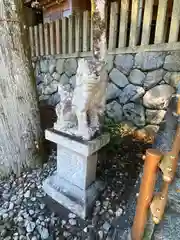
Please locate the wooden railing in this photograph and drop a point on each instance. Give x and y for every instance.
(132, 26)
(150, 204)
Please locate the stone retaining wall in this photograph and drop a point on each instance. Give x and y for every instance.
(139, 89)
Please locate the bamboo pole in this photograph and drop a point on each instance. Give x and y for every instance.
(152, 160)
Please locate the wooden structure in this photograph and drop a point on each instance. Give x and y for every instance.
(57, 9)
(132, 26)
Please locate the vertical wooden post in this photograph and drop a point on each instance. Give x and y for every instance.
(71, 34)
(46, 38)
(58, 37)
(64, 35)
(147, 22)
(31, 38)
(174, 28)
(52, 38)
(123, 23)
(36, 39)
(113, 25)
(148, 181)
(160, 23)
(77, 35)
(41, 39)
(134, 23)
(86, 30)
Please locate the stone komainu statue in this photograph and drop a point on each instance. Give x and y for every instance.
(88, 101)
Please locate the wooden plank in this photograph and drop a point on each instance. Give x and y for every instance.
(52, 38)
(31, 39)
(71, 33)
(77, 35)
(147, 48)
(58, 37)
(86, 30)
(174, 28)
(46, 38)
(134, 23)
(113, 25)
(148, 10)
(64, 35)
(41, 39)
(36, 40)
(160, 23)
(123, 23)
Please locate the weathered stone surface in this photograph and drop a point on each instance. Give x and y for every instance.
(152, 129)
(44, 66)
(52, 65)
(153, 78)
(118, 78)
(50, 89)
(56, 76)
(112, 91)
(172, 78)
(47, 79)
(172, 62)
(131, 93)
(54, 99)
(39, 79)
(40, 89)
(154, 116)
(135, 113)
(114, 111)
(70, 66)
(149, 60)
(64, 79)
(137, 77)
(72, 81)
(158, 97)
(37, 68)
(124, 63)
(110, 62)
(60, 66)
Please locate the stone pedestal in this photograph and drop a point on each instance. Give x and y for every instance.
(74, 183)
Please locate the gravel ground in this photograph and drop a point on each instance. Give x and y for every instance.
(24, 215)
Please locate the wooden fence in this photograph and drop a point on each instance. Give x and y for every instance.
(132, 26)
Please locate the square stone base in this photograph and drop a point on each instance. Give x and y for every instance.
(77, 200)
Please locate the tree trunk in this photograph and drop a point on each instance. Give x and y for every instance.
(19, 115)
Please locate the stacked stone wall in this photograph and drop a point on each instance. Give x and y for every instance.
(139, 89)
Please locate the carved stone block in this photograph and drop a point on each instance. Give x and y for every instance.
(74, 183)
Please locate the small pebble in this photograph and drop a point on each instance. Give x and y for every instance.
(119, 212)
(72, 222)
(106, 226)
(27, 194)
(30, 227)
(71, 215)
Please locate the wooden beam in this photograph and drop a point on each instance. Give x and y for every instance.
(52, 37)
(123, 23)
(64, 35)
(41, 39)
(160, 23)
(36, 40)
(46, 38)
(58, 37)
(71, 35)
(174, 28)
(86, 30)
(31, 39)
(147, 19)
(113, 25)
